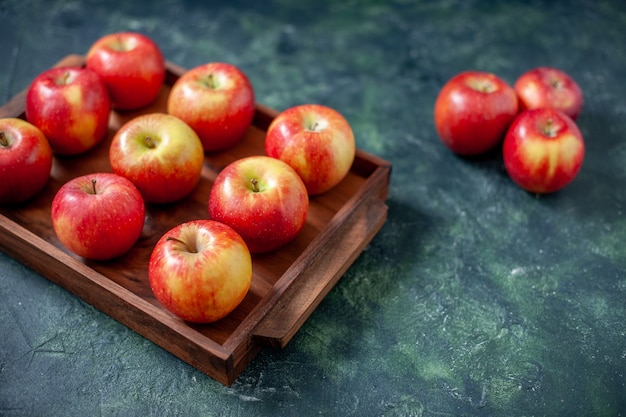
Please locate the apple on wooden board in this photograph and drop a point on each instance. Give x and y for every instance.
(316, 141)
(132, 67)
(200, 270)
(263, 199)
(543, 150)
(71, 107)
(25, 161)
(549, 87)
(98, 216)
(217, 100)
(473, 111)
(160, 154)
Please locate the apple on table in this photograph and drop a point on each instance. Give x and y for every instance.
(217, 100)
(543, 150)
(549, 87)
(160, 154)
(132, 67)
(316, 141)
(25, 161)
(98, 216)
(71, 106)
(473, 111)
(200, 270)
(261, 198)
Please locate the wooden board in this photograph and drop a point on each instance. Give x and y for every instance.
(287, 284)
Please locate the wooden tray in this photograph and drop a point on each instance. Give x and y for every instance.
(287, 284)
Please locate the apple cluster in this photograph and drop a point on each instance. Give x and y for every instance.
(202, 269)
(534, 121)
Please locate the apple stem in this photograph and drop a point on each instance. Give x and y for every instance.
(93, 185)
(3, 139)
(150, 142)
(549, 129)
(189, 248)
(209, 81)
(255, 185)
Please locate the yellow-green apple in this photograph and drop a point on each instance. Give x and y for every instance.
(316, 141)
(71, 107)
(543, 150)
(263, 199)
(160, 154)
(217, 100)
(473, 111)
(25, 160)
(98, 216)
(200, 270)
(132, 67)
(549, 87)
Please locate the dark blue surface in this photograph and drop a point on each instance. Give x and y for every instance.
(475, 299)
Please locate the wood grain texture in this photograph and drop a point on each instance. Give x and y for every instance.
(287, 284)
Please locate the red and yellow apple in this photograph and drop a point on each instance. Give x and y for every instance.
(200, 270)
(263, 199)
(25, 161)
(217, 100)
(98, 216)
(160, 154)
(71, 107)
(549, 87)
(316, 141)
(473, 111)
(543, 150)
(132, 67)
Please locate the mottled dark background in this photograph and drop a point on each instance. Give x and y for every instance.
(475, 299)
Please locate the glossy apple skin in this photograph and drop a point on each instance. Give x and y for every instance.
(316, 141)
(217, 100)
(71, 107)
(543, 150)
(267, 218)
(200, 270)
(98, 221)
(25, 161)
(132, 67)
(160, 154)
(549, 87)
(473, 111)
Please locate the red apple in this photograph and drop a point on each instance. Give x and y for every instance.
(160, 154)
(473, 111)
(549, 87)
(98, 216)
(25, 161)
(132, 67)
(316, 141)
(200, 270)
(263, 199)
(217, 100)
(543, 150)
(71, 107)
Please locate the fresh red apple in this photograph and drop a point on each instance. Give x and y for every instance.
(98, 216)
(473, 111)
(71, 107)
(543, 150)
(263, 199)
(160, 154)
(316, 141)
(132, 67)
(25, 161)
(549, 87)
(200, 270)
(217, 100)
